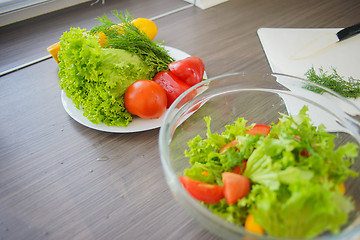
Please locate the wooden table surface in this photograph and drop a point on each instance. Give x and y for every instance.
(62, 180)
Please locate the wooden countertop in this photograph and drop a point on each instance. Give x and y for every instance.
(61, 180)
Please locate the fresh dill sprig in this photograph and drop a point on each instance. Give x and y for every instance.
(347, 88)
(128, 37)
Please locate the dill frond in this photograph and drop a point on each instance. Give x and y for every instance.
(349, 88)
(128, 37)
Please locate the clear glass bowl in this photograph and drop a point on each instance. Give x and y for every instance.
(259, 98)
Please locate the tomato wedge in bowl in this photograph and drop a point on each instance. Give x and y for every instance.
(262, 100)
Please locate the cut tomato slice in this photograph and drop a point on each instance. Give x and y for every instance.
(208, 193)
(235, 186)
(239, 169)
(259, 129)
(228, 145)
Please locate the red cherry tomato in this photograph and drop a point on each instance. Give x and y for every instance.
(146, 99)
(189, 70)
(208, 193)
(173, 86)
(235, 186)
(259, 129)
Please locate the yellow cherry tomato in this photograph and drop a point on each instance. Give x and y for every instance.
(146, 26)
(252, 226)
(54, 50)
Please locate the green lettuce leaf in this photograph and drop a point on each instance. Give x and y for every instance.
(233, 213)
(204, 154)
(310, 209)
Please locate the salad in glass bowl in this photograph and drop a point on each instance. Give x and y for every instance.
(264, 156)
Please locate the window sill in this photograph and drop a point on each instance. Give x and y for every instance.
(26, 13)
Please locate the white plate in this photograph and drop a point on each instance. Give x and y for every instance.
(137, 124)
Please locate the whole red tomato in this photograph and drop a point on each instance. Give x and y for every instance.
(146, 99)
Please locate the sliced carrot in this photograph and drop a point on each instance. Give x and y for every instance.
(342, 188)
(252, 226)
(205, 173)
(54, 50)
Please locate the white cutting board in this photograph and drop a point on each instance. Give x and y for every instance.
(283, 48)
(283, 45)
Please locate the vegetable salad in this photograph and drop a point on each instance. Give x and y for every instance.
(116, 71)
(283, 180)
(98, 66)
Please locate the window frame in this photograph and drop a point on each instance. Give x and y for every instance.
(19, 10)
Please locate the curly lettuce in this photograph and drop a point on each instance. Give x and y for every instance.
(96, 78)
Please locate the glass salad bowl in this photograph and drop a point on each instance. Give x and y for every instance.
(260, 99)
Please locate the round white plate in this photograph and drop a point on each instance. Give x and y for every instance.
(137, 124)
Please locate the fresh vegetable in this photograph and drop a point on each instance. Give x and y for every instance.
(240, 168)
(235, 186)
(208, 193)
(146, 26)
(251, 226)
(232, 143)
(134, 41)
(173, 86)
(349, 88)
(342, 188)
(291, 195)
(146, 99)
(53, 50)
(259, 129)
(189, 70)
(96, 78)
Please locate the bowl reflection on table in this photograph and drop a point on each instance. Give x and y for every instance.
(259, 98)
